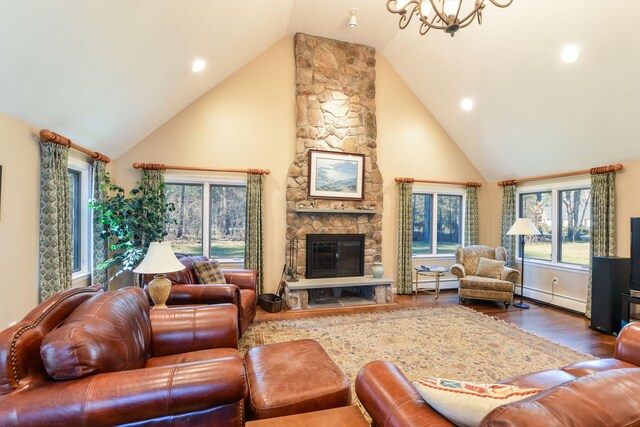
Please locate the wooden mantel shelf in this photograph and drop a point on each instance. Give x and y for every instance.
(336, 211)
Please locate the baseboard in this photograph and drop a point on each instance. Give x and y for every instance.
(555, 300)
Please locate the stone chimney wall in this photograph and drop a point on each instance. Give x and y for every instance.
(336, 111)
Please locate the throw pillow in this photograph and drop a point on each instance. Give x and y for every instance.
(466, 403)
(208, 272)
(490, 268)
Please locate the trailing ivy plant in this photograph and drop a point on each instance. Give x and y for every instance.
(130, 223)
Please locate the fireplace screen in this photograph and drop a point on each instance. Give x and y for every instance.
(335, 255)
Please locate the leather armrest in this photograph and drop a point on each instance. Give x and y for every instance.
(183, 329)
(628, 344)
(391, 400)
(131, 396)
(204, 294)
(510, 275)
(458, 270)
(244, 279)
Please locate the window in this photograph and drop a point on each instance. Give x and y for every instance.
(228, 212)
(209, 218)
(575, 220)
(441, 233)
(537, 207)
(76, 218)
(79, 177)
(562, 214)
(184, 229)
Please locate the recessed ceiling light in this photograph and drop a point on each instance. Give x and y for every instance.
(467, 104)
(570, 54)
(198, 65)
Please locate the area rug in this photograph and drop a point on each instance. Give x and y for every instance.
(449, 342)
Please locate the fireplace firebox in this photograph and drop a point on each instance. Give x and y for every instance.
(334, 255)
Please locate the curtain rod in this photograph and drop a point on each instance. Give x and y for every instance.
(158, 166)
(431, 181)
(599, 169)
(49, 136)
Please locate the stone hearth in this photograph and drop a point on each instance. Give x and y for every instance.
(336, 292)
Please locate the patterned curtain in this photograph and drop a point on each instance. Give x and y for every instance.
(603, 220)
(471, 217)
(405, 238)
(100, 245)
(254, 228)
(154, 207)
(55, 251)
(508, 218)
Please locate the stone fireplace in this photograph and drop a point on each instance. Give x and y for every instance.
(335, 98)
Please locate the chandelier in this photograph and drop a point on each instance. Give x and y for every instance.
(447, 15)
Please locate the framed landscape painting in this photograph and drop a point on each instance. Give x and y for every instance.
(336, 175)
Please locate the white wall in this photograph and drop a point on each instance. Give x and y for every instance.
(19, 206)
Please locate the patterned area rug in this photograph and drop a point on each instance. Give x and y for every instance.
(448, 342)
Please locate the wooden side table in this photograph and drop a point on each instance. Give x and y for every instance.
(429, 273)
(344, 416)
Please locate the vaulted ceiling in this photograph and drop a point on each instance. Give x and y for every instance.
(107, 73)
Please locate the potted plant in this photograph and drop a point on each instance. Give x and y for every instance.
(130, 222)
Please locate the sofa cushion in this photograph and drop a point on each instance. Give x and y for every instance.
(209, 272)
(193, 356)
(110, 332)
(485, 283)
(490, 268)
(466, 403)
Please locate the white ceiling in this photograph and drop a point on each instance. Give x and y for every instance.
(106, 73)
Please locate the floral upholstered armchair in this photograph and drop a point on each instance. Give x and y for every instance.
(482, 275)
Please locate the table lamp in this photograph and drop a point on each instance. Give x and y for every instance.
(522, 227)
(159, 259)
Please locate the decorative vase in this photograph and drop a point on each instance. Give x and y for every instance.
(377, 270)
(159, 290)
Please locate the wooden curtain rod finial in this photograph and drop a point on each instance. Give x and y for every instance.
(49, 136)
(101, 157)
(149, 166)
(407, 180)
(605, 169)
(259, 171)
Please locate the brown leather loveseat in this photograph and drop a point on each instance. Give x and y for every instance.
(89, 358)
(240, 289)
(600, 392)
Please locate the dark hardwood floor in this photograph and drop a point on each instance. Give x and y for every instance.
(558, 325)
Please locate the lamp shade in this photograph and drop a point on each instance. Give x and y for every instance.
(523, 227)
(159, 259)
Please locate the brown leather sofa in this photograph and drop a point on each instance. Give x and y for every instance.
(600, 392)
(120, 363)
(240, 289)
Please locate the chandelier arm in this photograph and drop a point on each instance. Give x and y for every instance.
(470, 16)
(438, 13)
(496, 3)
(426, 23)
(466, 24)
(405, 18)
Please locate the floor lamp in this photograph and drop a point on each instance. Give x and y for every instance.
(522, 227)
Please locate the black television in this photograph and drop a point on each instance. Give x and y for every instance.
(635, 254)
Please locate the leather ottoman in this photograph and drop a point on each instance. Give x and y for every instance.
(293, 377)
